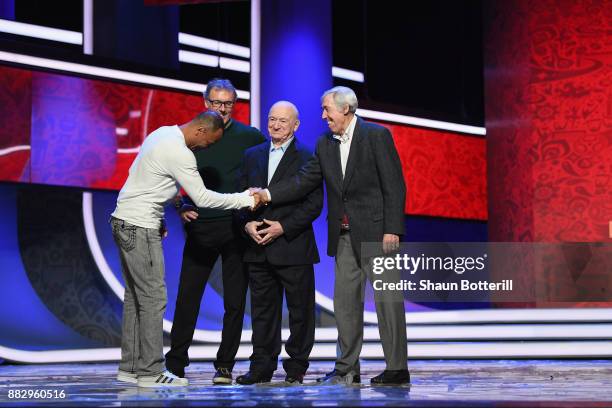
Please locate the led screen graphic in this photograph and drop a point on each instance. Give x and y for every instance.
(71, 131)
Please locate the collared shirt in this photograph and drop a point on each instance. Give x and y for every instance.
(276, 155)
(345, 143)
(163, 161)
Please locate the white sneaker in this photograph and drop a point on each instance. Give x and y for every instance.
(165, 379)
(127, 377)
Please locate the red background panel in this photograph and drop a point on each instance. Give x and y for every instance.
(14, 166)
(548, 93)
(15, 113)
(15, 106)
(549, 120)
(445, 172)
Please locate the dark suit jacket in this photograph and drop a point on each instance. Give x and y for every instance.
(297, 245)
(372, 194)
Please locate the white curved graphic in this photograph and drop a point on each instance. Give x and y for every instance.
(128, 150)
(13, 149)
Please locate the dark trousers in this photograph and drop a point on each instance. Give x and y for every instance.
(267, 283)
(205, 242)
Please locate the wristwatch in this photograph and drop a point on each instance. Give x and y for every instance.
(178, 202)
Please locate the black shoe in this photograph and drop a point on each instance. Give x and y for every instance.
(176, 365)
(392, 377)
(178, 371)
(337, 376)
(295, 379)
(253, 378)
(223, 376)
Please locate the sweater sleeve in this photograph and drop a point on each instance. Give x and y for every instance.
(184, 170)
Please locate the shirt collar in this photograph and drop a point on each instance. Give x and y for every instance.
(282, 147)
(348, 133)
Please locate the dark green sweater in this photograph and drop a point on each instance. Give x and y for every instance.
(219, 163)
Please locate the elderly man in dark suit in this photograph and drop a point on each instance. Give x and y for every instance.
(281, 252)
(365, 195)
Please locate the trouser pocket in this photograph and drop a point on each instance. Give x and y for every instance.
(124, 234)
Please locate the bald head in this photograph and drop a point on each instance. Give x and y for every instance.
(285, 106)
(283, 121)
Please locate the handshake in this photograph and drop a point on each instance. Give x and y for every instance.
(259, 196)
(188, 212)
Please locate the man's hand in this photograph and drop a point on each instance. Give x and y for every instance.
(261, 198)
(188, 213)
(274, 231)
(256, 198)
(251, 229)
(256, 201)
(390, 243)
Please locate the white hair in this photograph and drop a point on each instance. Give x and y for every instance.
(343, 96)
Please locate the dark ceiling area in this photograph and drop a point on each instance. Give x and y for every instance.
(419, 58)
(228, 21)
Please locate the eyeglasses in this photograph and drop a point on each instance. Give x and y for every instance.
(281, 121)
(217, 104)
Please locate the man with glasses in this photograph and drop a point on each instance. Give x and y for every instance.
(210, 234)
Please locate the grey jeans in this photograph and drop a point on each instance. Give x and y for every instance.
(144, 302)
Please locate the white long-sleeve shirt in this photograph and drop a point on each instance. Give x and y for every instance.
(163, 162)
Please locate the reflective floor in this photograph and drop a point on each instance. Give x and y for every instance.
(451, 383)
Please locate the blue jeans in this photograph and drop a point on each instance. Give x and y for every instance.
(144, 302)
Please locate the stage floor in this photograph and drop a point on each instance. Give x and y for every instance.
(450, 383)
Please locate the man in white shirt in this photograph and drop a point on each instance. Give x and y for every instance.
(164, 161)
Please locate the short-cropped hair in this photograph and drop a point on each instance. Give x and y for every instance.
(211, 120)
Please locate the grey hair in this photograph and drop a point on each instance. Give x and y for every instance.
(343, 96)
(219, 83)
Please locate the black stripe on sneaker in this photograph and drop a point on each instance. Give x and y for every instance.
(159, 378)
(172, 379)
(165, 380)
